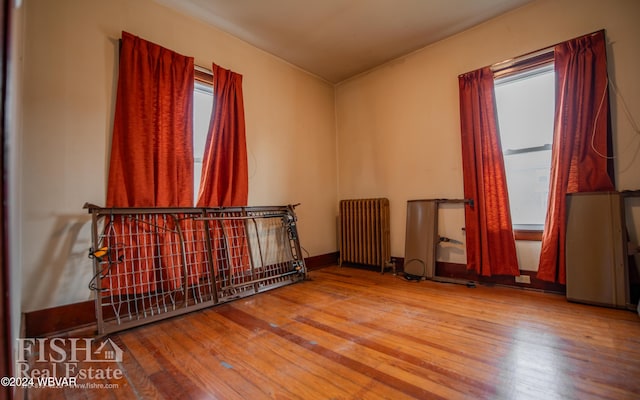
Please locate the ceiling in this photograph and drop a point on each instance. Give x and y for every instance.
(337, 39)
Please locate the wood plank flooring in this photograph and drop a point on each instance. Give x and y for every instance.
(349, 333)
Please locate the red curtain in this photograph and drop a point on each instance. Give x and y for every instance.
(152, 146)
(224, 180)
(489, 235)
(152, 150)
(581, 140)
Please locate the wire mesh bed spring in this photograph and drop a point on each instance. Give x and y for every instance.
(156, 263)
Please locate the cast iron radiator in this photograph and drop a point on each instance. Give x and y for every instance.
(152, 264)
(365, 232)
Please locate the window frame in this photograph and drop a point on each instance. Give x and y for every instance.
(518, 66)
(203, 75)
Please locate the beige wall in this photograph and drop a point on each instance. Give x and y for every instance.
(70, 70)
(398, 125)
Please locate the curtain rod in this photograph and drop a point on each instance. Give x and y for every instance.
(536, 53)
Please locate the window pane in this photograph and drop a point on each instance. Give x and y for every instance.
(202, 107)
(526, 105)
(528, 185)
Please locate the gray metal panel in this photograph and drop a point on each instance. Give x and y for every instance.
(421, 238)
(595, 253)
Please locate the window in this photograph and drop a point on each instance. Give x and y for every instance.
(202, 108)
(525, 102)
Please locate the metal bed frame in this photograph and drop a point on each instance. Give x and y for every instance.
(155, 263)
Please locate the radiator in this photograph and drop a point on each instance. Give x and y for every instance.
(364, 232)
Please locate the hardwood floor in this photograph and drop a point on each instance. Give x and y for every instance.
(349, 333)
